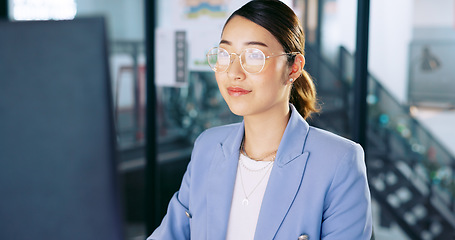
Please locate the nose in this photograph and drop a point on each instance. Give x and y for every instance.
(235, 70)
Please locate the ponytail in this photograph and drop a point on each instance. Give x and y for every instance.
(303, 95)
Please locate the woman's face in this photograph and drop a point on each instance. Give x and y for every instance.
(251, 94)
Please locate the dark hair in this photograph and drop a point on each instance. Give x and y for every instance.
(284, 25)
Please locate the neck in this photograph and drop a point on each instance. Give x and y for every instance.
(263, 132)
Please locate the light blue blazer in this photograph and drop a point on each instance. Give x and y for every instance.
(318, 188)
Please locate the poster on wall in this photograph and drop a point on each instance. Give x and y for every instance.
(200, 23)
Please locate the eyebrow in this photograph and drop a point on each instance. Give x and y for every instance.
(248, 43)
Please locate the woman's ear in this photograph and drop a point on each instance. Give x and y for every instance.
(297, 67)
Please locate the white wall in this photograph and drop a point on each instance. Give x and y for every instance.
(431, 13)
(338, 27)
(125, 17)
(347, 18)
(391, 24)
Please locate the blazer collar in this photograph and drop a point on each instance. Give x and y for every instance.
(285, 178)
(294, 138)
(221, 181)
(283, 183)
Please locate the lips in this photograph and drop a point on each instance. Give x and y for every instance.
(237, 91)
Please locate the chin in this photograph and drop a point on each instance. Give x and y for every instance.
(239, 109)
(236, 111)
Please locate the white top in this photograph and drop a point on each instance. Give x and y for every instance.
(250, 184)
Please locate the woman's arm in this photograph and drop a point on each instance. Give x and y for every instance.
(347, 207)
(176, 223)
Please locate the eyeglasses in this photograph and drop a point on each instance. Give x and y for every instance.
(252, 60)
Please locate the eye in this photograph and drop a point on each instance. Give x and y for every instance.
(223, 54)
(255, 55)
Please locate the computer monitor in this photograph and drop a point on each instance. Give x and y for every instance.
(58, 177)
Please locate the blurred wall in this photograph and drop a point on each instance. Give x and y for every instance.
(125, 17)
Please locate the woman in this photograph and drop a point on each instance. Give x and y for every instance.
(271, 176)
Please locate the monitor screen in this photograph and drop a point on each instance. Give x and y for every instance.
(58, 177)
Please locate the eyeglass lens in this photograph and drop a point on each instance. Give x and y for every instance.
(251, 59)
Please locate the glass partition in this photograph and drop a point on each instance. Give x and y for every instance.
(410, 172)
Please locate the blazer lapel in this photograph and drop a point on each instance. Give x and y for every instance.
(221, 181)
(285, 179)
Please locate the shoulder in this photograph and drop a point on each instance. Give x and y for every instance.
(333, 151)
(217, 134)
(319, 139)
(208, 149)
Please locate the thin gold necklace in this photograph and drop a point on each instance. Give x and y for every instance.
(242, 149)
